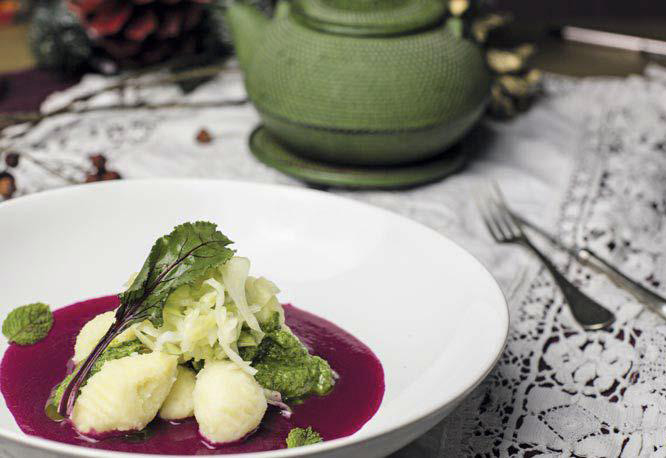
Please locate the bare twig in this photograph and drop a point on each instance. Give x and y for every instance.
(35, 117)
(8, 119)
(43, 165)
(185, 75)
(53, 171)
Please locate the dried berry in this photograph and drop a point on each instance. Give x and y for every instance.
(98, 161)
(204, 136)
(12, 159)
(7, 185)
(106, 176)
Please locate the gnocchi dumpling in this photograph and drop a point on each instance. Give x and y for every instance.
(179, 404)
(125, 394)
(93, 331)
(228, 403)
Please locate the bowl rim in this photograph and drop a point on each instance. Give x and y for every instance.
(476, 376)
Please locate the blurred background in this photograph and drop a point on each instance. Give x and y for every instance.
(540, 21)
(48, 45)
(533, 20)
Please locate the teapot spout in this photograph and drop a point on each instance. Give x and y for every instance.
(247, 26)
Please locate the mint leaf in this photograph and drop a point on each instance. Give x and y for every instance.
(299, 437)
(28, 324)
(177, 259)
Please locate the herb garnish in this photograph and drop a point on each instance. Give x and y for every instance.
(299, 437)
(283, 364)
(28, 324)
(177, 259)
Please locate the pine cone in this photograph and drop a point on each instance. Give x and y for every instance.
(142, 31)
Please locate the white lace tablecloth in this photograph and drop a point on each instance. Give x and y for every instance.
(588, 162)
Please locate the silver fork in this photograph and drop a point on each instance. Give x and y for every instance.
(505, 229)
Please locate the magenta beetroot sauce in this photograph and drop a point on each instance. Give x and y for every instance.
(28, 374)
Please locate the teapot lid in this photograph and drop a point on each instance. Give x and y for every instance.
(369, 17)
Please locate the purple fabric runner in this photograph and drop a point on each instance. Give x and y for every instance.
(25, 90)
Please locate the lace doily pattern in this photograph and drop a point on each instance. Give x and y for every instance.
(558, 390)
(587, 162)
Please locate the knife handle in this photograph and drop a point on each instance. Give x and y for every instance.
(652, 300)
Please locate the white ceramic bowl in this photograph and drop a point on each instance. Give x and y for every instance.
(432, 314)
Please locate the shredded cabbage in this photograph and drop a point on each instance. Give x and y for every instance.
(212, 318)
(235, 273)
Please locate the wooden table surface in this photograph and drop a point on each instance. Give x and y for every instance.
(14, 50)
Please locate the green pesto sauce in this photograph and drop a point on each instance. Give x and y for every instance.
(283, 364)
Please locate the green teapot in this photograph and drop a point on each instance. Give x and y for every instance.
(360, 82)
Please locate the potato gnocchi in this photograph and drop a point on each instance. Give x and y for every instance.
(93, 332)
(202, 339)
(228, 403)
(179, 404)
(125, 394)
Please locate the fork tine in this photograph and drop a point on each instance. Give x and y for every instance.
(484, 215)
(504, 212)
(500, 221)
(494, 216)
(487, 219)
(497, 191)
(507, 221)
(501, 231)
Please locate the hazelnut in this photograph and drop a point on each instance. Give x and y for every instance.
(7, 185)
(204, 136)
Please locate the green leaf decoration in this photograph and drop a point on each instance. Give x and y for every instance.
(28, 324)
(176, 259)
(299, 437)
